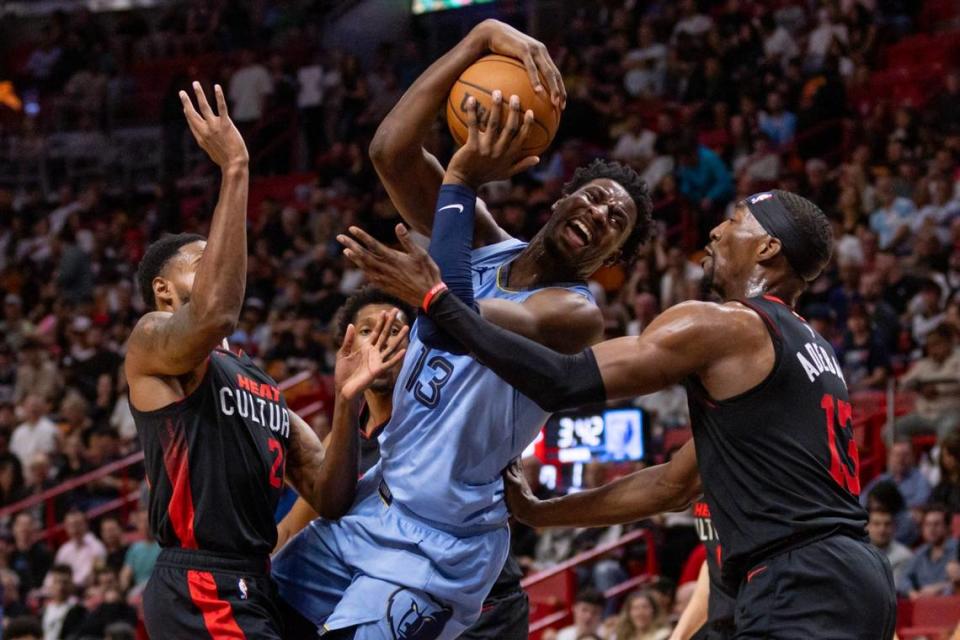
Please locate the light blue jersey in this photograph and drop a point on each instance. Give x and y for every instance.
(426, 537)
(456, 424)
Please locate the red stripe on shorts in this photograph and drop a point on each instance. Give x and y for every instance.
(217, 614)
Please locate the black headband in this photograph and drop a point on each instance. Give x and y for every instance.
(777, 221)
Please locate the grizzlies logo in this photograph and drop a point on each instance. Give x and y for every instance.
(413, 616)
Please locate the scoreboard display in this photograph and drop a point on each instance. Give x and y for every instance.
(605, 435)
(429, 6)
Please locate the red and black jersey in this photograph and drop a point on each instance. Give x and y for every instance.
(215, 460)
(721, 605)
(778, 463)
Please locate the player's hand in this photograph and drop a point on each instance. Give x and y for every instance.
(496, 152)
(501, 38)
(408, 274)
(214, 132)
(518, 494)
(356, 370)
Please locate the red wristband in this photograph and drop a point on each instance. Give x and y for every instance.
(427, 299)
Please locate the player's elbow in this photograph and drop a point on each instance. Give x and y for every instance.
(384, 146)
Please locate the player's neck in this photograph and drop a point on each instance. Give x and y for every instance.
(537, 266)
(763, 282)
(379, 408)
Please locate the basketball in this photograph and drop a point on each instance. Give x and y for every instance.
(508, 75)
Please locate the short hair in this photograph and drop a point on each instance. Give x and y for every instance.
(888, 495)
(634, 185)
(62, 569)
(590, 596)
(119, 631)
(365, 297)
(156, 258)
(23, 627)
(937, 507)
(815, 227)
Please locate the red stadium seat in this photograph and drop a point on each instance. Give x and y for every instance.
(937, 612)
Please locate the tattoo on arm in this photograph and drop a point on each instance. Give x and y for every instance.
(305, 457)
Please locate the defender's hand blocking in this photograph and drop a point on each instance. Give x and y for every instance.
(496, 152)
(356, 370)
(408, 274)
(214, 132)
(518, 494)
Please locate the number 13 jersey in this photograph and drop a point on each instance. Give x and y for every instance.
(215, 460)
(778, 463)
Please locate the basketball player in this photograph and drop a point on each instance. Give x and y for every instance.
(770, 412)
(217, 436)
(427, 537)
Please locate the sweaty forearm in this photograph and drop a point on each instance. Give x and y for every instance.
(222, 273)
(337, 479)
(552, 380)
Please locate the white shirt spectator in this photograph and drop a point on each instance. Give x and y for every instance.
(54, 614)
(311, 81)
(695, 25)
(248, 87)
(632, 147)
(780, 45)
(823, 36)
(81, 557)
(34, 437)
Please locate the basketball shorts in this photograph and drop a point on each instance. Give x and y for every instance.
(194, 594)
(838, 588)
(503, 617)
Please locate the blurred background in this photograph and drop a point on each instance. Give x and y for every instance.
(853, 104)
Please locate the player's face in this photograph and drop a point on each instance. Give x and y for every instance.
(365, 323)
(172, 289)
(732, 252)
(589, 226)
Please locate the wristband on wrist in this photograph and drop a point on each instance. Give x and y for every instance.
(437, 289)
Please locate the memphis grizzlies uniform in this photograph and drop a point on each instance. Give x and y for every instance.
(427, 535)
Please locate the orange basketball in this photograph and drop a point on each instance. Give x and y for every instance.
(508, 75)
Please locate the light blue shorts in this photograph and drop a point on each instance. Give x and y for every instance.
(392, 575)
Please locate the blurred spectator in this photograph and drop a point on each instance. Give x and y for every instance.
(947, 491)
(24, 627)
(82, 550)
(862, 355)
(62, 614)
(14, 327)
(681, 278)
(141, 556)
(885, 496)
(111, 534)
(912, 484)
(883, 319)
(936, 377)
(37, 433)
(891, 220)
(13, 602)
(112, 609)
(776, 122)
(119, 631)
(12, 486)
(37, 374)
(641, 619)
(247, 90)
(926, 574)
(587, 612)
(880, 528)
(30, 557)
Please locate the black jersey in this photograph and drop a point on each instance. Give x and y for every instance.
(778, 462)
(721, 606)
(215, 460)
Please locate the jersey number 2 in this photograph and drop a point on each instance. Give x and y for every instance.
(844, 461)
(276, 471)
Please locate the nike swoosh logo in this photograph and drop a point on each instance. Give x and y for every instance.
(458, 207)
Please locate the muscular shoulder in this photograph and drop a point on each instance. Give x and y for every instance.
(720, 326)
(569, 319)
(145, 339)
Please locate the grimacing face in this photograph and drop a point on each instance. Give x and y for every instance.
(589, 226)
(173, 285)
(365, 322)
(733, 251)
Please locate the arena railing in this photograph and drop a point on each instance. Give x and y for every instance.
(301, 391)
(552, 591)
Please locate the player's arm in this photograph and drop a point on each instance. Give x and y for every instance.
(411, 175)
(172, 344)
(665, 487)
(695, 615)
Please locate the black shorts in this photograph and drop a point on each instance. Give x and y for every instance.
(503, 617)
(837, 588)
(194, 594)
(715, 631)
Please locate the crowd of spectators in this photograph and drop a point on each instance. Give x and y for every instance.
(710, 101)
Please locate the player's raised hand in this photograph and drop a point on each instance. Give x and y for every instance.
(407, 274)
(496, 151)
(503, 39)
(360, 363)
(517, 493)
(214, 132)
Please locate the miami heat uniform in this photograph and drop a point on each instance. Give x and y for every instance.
(721, 605)
(215, 461)
(780, 472)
